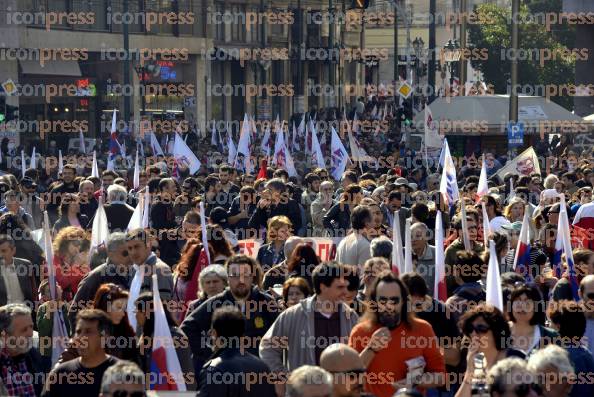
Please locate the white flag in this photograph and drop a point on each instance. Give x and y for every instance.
(340, 157)
(486, 225)
(204, 232)
(243, 148)
(184, 156)
(526, 163)
(494, 294)
(23, 164)
(408, 265)
(397, 250)
(81, 143)
(315, 145)
(94, 167)
(465, 237)
(60, 162)
(135, 286)
(157, 150)
(136, 180)
(440, 290)
(432, 138)
(449, 182)
(146, 210)
(483, 186)
(231, 147)
(59, 332)
(266, 142)
(165, 366)
(100, 229)
(136, 219)
(33, 159)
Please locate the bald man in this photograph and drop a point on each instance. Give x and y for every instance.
(346, 366)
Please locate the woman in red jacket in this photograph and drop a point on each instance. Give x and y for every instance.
(70, 264)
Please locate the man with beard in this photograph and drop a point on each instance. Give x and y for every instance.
(21, 372)
(260, 309)
(82, 376)
(228, 190)
(54, 197)
(389, 330)
(312, 183)
(347, 369)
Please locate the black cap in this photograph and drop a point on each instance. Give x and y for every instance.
(28, 182)
(219, 216)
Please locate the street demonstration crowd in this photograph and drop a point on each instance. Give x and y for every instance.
(285, 320)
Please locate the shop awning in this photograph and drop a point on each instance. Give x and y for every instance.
(492, 111)
(52, 68)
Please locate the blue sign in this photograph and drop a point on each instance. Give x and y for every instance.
(515, 134)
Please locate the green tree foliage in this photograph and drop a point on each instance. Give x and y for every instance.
(494, 34)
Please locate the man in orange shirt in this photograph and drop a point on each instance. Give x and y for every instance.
(398, 349)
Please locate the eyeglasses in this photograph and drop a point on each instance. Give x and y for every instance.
(240, 275)
(480, 329)
(387, 299)
(124, 393)
(524, 389)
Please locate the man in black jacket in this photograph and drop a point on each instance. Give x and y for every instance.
(275, 201)
(260, 308)
(117, 211)
(54, 197)
(250, 375)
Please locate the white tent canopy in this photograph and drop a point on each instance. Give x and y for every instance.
(492, 111)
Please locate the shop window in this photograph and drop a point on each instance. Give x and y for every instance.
(238, 28)
(98, 13)
(219, 31)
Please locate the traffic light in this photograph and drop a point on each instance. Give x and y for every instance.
(360, 4)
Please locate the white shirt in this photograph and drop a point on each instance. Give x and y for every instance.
(11, 283)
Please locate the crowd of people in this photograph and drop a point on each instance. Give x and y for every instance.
(284, 321)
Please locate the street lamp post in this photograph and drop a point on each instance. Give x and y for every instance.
(418, 46)
(140, 71)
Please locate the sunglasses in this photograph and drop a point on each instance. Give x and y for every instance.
(524, 389)
(124, 393)
(480, 329)
(384, 300)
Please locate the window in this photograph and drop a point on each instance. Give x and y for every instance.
(219, 31)
(238, 27)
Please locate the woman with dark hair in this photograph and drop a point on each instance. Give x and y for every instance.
(145, 317)
(295, 290)
(219, 247)
(526, 311)
(337, 220)
(302, 262)
(112, 299)
(486, 332)
(70, 214)
(185, 276)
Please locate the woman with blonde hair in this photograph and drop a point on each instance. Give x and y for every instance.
(514, 211)
(70, 264)
(279, 229)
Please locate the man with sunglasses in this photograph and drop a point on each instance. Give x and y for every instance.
(389, 331)
(115, 270)
(347, 369)
(123, 379)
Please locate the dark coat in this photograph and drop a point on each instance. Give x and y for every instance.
(197, 323)
(337, 221)
(118, 216)
(290, 209)
(233, 361)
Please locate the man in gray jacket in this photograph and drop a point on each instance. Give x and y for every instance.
(300, 334)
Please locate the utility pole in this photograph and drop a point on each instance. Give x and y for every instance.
(126, 67)
(396, 77)
(463, 63)
(432, 54)
(331, 60)
(513, 97)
